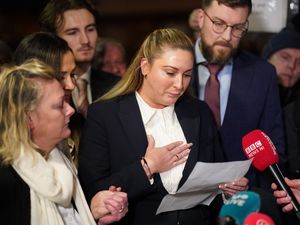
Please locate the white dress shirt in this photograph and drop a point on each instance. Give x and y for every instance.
(224, 77)
(164, 126)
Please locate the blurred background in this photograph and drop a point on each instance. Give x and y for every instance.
(127, 21)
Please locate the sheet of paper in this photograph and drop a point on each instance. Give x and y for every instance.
(202, 185)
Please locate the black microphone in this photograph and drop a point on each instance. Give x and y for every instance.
(258, 146)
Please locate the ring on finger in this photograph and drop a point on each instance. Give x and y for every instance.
(121, 210)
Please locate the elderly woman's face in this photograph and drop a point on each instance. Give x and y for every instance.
(49, 121)
(167, 78)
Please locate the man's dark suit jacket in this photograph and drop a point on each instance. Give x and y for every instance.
(253, 103)
(15, 198)
(101, 82)
(113, 142)
(292, 131)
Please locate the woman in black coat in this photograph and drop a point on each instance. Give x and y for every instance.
(147, 134)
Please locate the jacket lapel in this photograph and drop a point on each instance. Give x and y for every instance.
(194, 84)
(190, 127)
(241, 80)
(93, 82)
(132, 123)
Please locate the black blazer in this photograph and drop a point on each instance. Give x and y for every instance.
(101, 82)
(113, 142)
(15, 198)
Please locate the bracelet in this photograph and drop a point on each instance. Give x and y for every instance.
(147, 168)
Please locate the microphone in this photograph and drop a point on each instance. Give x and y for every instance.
(238, 207)
(258, 218)
(258, 147)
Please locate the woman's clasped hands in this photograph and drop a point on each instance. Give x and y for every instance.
(110, 205)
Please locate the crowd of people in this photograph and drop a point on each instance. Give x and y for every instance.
(86, 138)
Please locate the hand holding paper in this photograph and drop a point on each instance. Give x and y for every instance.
(230, 189)
(202, 185)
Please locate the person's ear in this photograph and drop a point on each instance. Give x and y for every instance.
(201, 16)
(30, 120)
(145, 67)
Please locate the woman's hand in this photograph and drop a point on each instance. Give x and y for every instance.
(234, 187)
(109, 206)
(282, 196)
(166, 157)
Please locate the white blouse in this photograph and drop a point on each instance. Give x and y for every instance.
(164, 126)
(69, 215)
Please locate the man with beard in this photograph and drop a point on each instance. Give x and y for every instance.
(243, 95)
(75, 22)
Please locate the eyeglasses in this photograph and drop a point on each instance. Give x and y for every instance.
(238, 30)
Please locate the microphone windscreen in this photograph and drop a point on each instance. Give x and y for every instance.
(258, 147)
(257, 219)
(240, 205)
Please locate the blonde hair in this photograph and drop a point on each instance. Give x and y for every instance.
(152, 48)
(20, 92)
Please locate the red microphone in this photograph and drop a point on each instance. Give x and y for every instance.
(258, 147)
(257, 219)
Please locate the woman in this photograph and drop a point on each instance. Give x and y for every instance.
(52, 50)
(55, 51)
(38, 183)
(147, 134)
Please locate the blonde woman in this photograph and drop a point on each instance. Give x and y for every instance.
(147, 134)
(38, 184)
